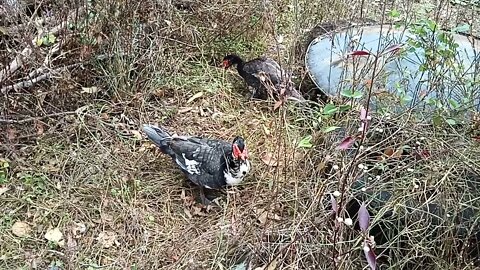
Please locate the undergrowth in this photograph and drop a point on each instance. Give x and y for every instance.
(81, 188)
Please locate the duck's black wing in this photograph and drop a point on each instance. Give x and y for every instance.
(202, 160)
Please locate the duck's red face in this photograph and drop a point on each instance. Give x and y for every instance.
(240, 151)
(226, 63)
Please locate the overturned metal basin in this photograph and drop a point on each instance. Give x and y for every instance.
(343, 60)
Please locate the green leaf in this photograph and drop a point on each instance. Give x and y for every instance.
(357, 94)
(345, 108)
(39, 42)
(394, 13)
(347, 93)
(453, 103)
(437, 120)
(330, 129)
(351, 94)
(306, 142)
(51, 38)
(464, 28)
(330, 109)
(451, 122)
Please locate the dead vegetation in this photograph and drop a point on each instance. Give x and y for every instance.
(80, 188)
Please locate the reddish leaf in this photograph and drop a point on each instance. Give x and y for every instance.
(270, 160)
(393, 48)
(370, 256)
(334, 204)
(423, 153)
(346, 143)
(368, 83)
(355, 53)
(363, 218)
(389, 152)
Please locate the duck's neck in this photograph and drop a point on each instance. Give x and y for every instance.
(239, 62)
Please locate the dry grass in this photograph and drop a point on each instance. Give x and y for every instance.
(77, 160)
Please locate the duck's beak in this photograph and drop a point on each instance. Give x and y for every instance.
(226, 64)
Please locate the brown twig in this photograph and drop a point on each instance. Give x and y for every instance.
(31, 119)
(27, 51)
(28, 82)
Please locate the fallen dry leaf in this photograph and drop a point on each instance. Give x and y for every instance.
(389, 152)
(11, 134)
(346, 143)
(270, 160)
(107, 239)
(3, 190)
(263, 215)
(55, 236)
(40, 127)
(20, 229)
(185, 109)
(78, 229)
(197, 211)
(197, 95)
(136, 134)
(187, 212)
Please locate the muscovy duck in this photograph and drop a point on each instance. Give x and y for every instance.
(208, 163)
(262, 74)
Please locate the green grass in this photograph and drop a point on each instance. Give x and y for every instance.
(120, 204)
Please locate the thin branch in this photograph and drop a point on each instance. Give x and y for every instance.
(27, 82)
(31, 119)
(26, 52)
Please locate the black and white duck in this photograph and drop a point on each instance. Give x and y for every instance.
(208, 163)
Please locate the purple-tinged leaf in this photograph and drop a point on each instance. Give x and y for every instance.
(357, 53)
(346, 143)
(393, 48)
(334, 204)
(363, 115)
(370, 255)
(363, 218)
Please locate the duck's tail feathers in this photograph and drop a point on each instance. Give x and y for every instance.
(159, 137)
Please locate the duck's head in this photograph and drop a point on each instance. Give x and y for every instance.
(231, 59)
(239, 149)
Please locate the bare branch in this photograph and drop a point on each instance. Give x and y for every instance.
(27, 51)
(31, 119)
(28, 82)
